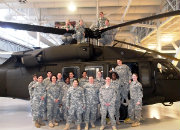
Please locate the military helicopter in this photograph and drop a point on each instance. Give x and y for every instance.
(160, 84)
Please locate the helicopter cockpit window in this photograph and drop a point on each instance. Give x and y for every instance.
(92, 70)
(165, 71)
(74, 69)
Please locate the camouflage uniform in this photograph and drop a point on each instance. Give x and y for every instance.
(118, 89)
(71, 80)
(37, 103)
(136, 96)
(108, 36)
(53, 92)
(67, 37)
(64, 95)
(75, 101)
(46, 83)
(31, 90)
(125, 75)
(107, 95)
(101, 22)
(91, 92)
(80, 30)
(83, 81)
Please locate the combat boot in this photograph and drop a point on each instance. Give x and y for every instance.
(78, 127)
(135, 124)
(67, 126)
(92, 125)
(102, 127)
(87, 126)
(118, 123)
(114, 128)
(128, 121)
(41, 122)
(37, 124)
(51, 124)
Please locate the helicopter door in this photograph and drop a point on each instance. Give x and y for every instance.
(167, 81)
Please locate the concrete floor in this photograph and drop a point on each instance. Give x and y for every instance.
(15, 115)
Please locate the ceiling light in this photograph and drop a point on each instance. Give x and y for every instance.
(72, 7)
(167, 38)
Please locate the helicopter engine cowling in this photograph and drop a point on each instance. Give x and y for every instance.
(82, 51)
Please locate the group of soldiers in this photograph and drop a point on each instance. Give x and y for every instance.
(75, 100)
(106, 37)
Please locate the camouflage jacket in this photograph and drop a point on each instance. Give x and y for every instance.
(136, 91)
(39, 91)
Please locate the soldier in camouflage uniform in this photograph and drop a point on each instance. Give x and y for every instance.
(99, 79)
(80, 31)
(53, 102)
(125, 75)
(135, 105)
(75, 103)
(91, 92)
(107, 97)
(118, 89)
(65, 88)
(38, 98)
(67, 37)
(71, 77)
(60, 83)
(108, 36)
(84, 79)
(101, 20)
(46, 82)
(31, 89)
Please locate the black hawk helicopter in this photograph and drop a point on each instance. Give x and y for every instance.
(160, 85)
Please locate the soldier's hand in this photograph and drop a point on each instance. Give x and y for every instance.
(42, 98)
(138, 103)
(84, 107)
(110, 71)
(129, 81)
(67, 107)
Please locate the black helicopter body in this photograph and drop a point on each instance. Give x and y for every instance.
(16, 73)
(160, 85)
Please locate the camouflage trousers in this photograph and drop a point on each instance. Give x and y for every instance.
(117, 109)
(52, 111)
(75, 112)
(90, 113)
(64, 110)
(125, 90)
(37, 109)
(79, 37)
(107, 110)
(134, 110)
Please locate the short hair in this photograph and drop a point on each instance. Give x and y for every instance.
(49, 71)
(34, 75)
(101, 13)
(135, 74)
(91, 76)
(84, 71)
(71, 72)
(107, 20)
(117, 76)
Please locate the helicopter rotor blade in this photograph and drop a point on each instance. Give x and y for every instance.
(158, 16)
(149, 50)
(34, 28)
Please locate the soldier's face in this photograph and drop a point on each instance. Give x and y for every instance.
(91, 80)
(81, 22)
(71, 75)
(114, 76)
(35, 78)
(99, 74)
(84, 74)
(40, 79)
(59, 75)
(108, 80)
(119, 62)
(53, 79)
(75, 83)
(134, 77)
(107, 23)
(68, 81)
(49, 74)
(101, 15)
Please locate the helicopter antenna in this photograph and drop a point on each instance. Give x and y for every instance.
(149, 50)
